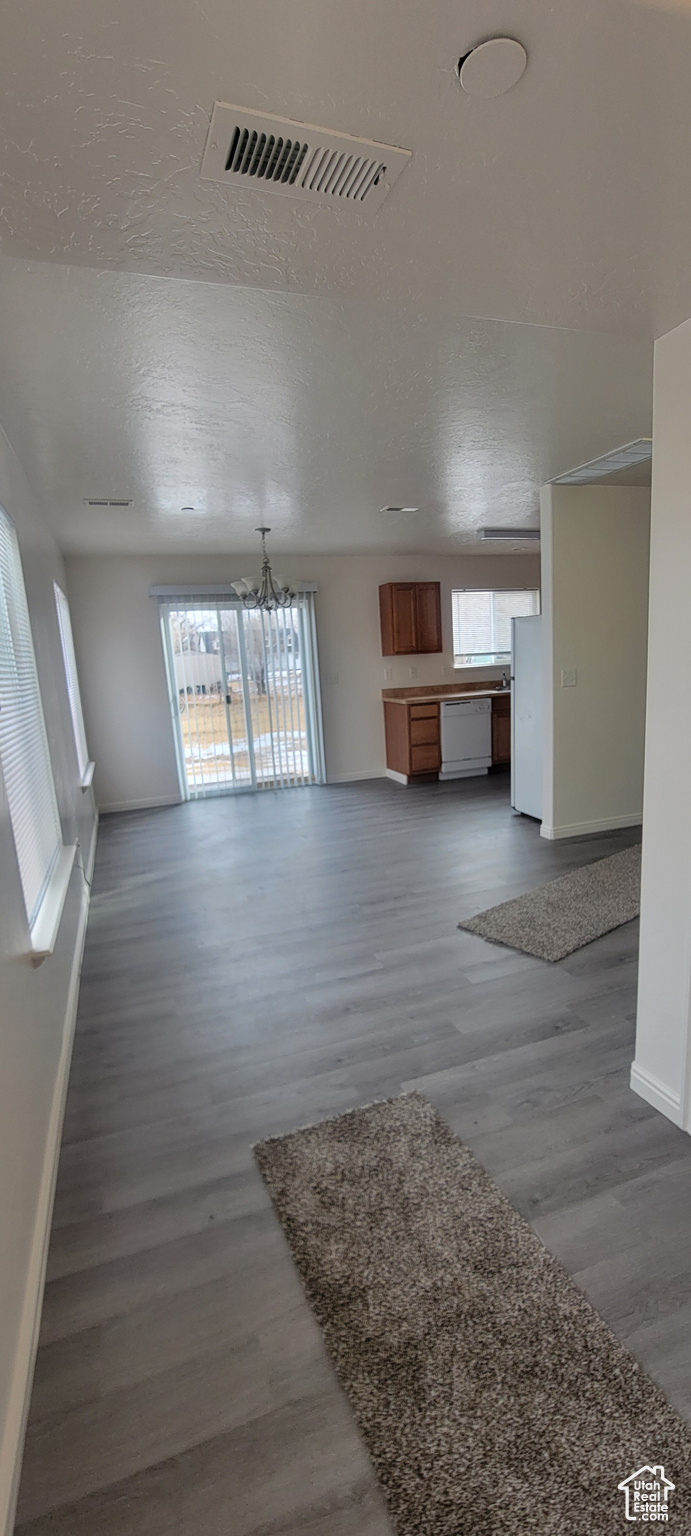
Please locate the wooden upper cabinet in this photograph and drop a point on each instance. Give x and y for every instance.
(428, 612)
(410, 613)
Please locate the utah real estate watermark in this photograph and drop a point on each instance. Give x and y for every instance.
(646, 1493)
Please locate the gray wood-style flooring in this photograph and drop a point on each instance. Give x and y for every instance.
(256, 963)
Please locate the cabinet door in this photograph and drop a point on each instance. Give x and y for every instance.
(501, 737)
(428, 616)
(404, 618)
(396, 732)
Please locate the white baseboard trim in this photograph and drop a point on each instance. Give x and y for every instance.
(583, 828)
(649, 1087)
(12, 1443)
(139, 805)
(398, 778)
(91, 857)
(354, 778)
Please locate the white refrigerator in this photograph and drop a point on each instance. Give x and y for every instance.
(526, 716)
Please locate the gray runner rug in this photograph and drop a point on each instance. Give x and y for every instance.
(558, 918)
(491, 1396)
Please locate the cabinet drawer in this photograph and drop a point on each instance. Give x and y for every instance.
(425, 732)
(425, 759)
(424, 711)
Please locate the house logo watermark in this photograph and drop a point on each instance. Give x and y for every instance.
(646, 1493)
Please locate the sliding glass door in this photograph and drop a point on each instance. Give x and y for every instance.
(244, 695)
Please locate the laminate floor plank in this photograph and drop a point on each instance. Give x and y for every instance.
(150, 1223)
(300, 1470)
(107, 1290)
(253, 964)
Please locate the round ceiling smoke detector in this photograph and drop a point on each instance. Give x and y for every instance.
(493, 67)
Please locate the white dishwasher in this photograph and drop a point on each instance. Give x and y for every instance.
(466, 738)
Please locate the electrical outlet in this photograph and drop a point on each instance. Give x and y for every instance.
(568, 677)
(388, 674)
(412, 671)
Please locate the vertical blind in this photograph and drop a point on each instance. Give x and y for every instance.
(24, 756)
(244, 689)
(70, 660)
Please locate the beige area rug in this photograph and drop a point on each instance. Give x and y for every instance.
(491, 1396)
(558, 918)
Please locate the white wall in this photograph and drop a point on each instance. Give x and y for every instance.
(37, 1005)
(595, 557)
(120, 657)
(661, 1069)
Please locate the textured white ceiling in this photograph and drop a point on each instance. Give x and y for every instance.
(564, 202)
(308, 413)
(308, 364)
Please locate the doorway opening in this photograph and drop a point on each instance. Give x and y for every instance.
(244, 695)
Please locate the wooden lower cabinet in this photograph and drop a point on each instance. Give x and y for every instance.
(501, 730)
(413, 736)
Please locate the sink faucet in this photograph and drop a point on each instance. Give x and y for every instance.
(504, 680)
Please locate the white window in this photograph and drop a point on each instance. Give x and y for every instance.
(70, 660)
(482, 625)
(24, 756)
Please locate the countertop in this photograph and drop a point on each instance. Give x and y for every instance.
(447, 698)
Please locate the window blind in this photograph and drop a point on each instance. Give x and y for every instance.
(482, 624)
(71, 675)
(24, 756)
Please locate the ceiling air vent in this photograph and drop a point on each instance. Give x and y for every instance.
(106, 501)
(273, 154)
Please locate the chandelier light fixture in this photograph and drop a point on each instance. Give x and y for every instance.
(270, 591)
